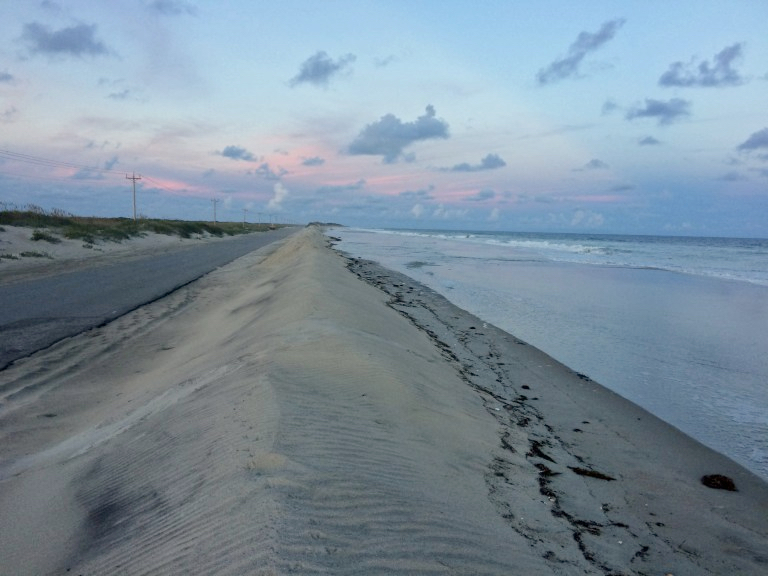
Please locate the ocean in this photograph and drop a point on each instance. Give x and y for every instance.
(678, 325)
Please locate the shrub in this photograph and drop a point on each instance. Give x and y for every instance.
(34, 254)
(90, 229)
(40, 235)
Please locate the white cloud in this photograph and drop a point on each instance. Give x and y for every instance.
(280, 194)
(448, 213)
(587, 219)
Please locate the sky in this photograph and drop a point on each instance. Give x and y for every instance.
(643, 117)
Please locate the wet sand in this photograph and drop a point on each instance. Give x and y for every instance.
(300, 412)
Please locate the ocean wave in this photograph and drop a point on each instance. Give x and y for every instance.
(730, 259)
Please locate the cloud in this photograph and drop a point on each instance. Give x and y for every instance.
(109, 164)
(6, 77)
(719, 73)
(319, 69)
(756, 141)
(587, 219)
(666, 112)
(593, 164)
(122, 95)
(78, 40)
(265, 171)
(238, 153)
(280, 194)
(383, 62)
(482, 196)
(585, 43)
(448, 213)
(420, 195)
(92, 145)
(417, 210)
(172, 7)
(649, 141)
(490, 162)
(314, 161)
(389, 136)
(609, 106)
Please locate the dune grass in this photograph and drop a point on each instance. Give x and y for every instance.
(91, 229)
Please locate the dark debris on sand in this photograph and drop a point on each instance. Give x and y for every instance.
(528, 468)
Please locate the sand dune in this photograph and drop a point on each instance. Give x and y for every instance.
(281, 416)
(22, 258)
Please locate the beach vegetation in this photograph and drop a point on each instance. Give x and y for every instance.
(35, 254)
(91, 229)
(39, 235)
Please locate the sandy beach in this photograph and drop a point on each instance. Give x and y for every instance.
(301, 412)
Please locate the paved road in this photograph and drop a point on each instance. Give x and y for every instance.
(36, 313)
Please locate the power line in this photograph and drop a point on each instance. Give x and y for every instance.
(40, 161)
(19, 176)
(156, 183)
(51, 163)
(47, 162)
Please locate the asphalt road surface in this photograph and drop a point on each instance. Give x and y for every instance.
(37, 313)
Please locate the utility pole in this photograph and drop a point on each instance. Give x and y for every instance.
(214, 200)
(134, 178)
(245, 211)
(259, 213)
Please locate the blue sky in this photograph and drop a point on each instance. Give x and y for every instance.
(629, 117)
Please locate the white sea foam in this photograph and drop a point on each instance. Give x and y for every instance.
(727, 258)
